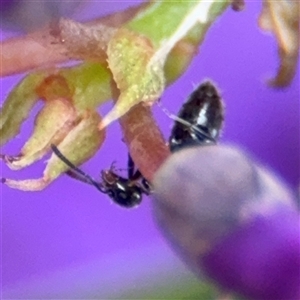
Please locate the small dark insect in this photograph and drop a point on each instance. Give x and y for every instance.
(198, 122)
(126, 192)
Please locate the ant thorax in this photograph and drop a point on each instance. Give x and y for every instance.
(123, 191)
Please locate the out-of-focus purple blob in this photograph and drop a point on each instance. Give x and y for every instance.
(204, 195)
(27, 15)
(7, 5)
(260, 260)
(238, 5)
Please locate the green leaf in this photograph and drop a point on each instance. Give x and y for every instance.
(90, 83)
(87, 85)
(18, 106)
(136, 58)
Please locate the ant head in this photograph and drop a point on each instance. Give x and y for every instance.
(109, 177)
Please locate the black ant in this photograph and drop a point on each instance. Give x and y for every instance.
(198, 122)
(126, 192)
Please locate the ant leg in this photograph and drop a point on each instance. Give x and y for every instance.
(77, 173)
(146, 186)
(133, 174)
(137, 175)
(130, 167)
(78, 176)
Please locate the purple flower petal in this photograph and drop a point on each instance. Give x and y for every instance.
(232, 219)
(261, 259)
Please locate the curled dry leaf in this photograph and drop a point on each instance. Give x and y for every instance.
(281, 17)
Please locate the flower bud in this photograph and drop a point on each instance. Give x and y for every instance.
(225, 215)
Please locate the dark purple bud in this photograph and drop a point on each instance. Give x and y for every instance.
(206, 195)
(261, 259)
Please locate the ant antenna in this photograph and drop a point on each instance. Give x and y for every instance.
(76, 172)
(182, 121)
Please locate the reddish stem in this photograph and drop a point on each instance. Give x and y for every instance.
(144, 139)
(35, 50)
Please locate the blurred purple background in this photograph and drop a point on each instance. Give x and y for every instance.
(63, 231)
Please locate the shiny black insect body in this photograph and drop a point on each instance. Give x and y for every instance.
(126, 192)
(198, 122)
(123, 191)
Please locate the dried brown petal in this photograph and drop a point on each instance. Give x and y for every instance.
(281, 17)
(52, 124)
(79, 145)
